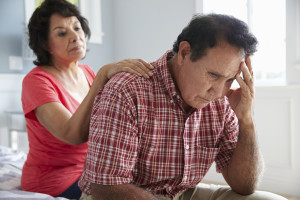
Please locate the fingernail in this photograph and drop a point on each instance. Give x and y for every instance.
(150, 73)
(151, 67)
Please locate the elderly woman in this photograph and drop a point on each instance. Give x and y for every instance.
(57, 97)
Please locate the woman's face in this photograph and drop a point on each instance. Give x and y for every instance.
(66, 39)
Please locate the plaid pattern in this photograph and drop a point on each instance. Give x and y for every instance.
(140, 134)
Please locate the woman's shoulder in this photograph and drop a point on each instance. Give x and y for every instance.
(86, 67)
(38, 74)
(35, 73)
(88, 71)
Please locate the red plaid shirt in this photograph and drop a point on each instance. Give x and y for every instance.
(140, 134)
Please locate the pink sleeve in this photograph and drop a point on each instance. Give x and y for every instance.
(37, 90)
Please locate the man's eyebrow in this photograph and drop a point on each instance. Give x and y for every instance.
(221, 75)
(216, 73)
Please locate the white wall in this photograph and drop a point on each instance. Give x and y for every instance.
(10, 93)
(277, 114)
(146, 29)
(99, 55)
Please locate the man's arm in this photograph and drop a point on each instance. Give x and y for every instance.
(120, 192)
(244, 169)
(246, 163)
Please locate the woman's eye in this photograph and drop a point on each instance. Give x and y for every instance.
(61, 34)
(77, 28)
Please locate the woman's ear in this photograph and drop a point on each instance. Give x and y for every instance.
(183, 52)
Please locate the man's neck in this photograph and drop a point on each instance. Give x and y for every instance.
(172, 66)
(172, 69)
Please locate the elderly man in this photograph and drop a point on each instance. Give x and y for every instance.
(157, 138)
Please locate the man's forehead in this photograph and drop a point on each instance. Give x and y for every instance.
(227, 70)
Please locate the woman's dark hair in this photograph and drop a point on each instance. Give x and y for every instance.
(204, 31)
(38, 26)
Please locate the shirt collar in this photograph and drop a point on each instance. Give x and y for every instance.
(164, 75)
(167, 81)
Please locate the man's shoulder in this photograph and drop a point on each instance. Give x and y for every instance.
(126, 82)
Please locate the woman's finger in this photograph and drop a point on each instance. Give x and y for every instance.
(138, 66)
(136, 70)
(148, 65)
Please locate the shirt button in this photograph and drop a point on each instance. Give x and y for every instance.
(171, 101)
(185, 177)
(187, 147)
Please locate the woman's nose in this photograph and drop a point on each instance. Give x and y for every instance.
(74, 36)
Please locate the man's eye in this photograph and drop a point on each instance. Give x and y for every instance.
(230, 80)
(213, 75)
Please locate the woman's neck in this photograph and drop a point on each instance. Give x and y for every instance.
(64, 69)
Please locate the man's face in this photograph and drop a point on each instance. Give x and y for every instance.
(209, 77)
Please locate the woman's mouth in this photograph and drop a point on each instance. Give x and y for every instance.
(76, 48)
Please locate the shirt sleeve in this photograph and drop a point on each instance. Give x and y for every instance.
(228, 140)
(37, 90)
(113, 140)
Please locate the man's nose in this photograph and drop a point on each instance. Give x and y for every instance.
(218, 90)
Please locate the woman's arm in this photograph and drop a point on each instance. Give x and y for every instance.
(74, 129)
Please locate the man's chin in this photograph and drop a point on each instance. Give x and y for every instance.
(200, 105)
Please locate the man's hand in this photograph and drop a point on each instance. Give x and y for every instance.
(246, 164)
(241, 99)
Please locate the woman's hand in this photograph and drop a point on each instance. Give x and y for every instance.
(135, 66)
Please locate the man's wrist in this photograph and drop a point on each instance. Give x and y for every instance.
(246, 125)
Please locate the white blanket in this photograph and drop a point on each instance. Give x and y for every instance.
(11, 163)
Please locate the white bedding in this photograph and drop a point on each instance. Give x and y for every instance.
(11, 163)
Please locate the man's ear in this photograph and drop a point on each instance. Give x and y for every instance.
(184, 51)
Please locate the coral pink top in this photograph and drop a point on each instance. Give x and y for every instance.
(52, 166)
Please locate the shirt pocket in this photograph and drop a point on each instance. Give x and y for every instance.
(202, 160)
